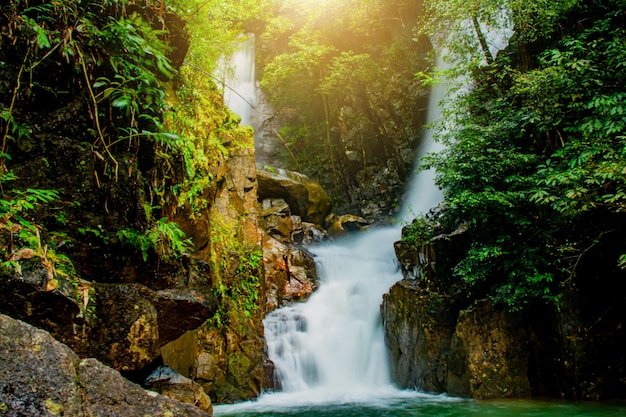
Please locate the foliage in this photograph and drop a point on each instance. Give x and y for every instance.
(418, 233)
(340, 78)
(238, 268)
(535, 154)
(166, 238)
(22, 240)
(472, 31)
(150, 125)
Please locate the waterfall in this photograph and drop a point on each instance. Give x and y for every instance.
(422, 194)
(238, 75)
(332, 346)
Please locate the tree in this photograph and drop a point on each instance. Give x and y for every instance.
(535, 154)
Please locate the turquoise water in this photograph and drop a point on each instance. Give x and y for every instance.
(413, 405)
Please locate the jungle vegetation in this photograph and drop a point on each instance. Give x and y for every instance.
(535, 158)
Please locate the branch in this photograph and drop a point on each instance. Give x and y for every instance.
(95, 109)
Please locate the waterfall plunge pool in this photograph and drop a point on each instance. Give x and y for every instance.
(412, 404)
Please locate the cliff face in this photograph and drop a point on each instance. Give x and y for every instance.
(443, 338)
(123, 229)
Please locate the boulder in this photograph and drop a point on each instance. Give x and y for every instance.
(126, 337)
(66, 385)
(346, 224)
(418, 329)
(488, 355)
(29, 298)
(305, 197)
(181, 310)
(170, 383)
(133, 321)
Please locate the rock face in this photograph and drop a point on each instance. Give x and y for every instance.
(488, 356)
(289, 270)
(442, 341)
(475, 350)
(418, 329)
(66, 385)
(124, 284)
(305, 197)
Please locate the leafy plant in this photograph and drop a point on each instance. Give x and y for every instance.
(23, 239)
(165, 238)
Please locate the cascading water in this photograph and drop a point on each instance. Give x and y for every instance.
(332, 347)
(333, 344)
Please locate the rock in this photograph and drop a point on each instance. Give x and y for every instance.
(181, 354)
(40, 376)
(305, 197)
(311, 233)
(418, 329)
(432, 263)
(346, 224)
(488, 357)
(170, 383)
(277, 220)
(126, 337)
(290, 274)
(133, 321)
(180, 310)
(27, 298)
(230, 362)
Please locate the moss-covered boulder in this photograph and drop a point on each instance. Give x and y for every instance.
(305, 197)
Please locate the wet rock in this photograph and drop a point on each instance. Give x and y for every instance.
(305, 197)
(66, 385)
(346, 224)
(418, 329)
(488, 356)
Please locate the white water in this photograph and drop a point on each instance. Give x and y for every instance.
(333, 344)
(422, 194)
(331, 349)
(238, 76)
